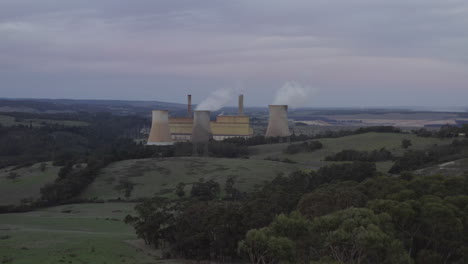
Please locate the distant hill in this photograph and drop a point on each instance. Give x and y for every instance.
(67, 105)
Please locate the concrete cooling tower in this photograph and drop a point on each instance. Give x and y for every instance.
(278, 121)
(201, 131)
(159, 134)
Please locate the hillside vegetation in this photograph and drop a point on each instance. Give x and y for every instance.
(159, 176)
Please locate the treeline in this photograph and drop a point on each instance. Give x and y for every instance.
(339, 214)
(417, 159)
(25, 145)
(261, 140)
(355, 155)
(307, 146)
(446, 131)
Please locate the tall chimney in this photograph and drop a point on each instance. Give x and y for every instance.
(241, 104)
(278, 121)
(160, 134)
(201, 131)
(189, 105)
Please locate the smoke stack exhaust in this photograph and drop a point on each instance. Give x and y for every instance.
(189, 105)
(201, 131)
(159, 134)
(241, 104)
(278, 121)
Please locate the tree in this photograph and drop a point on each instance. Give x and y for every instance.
(153, 220)
(180, 192)
(357, 235)
(263, 247)
(205, 191)
(406, 143)
(43, 167)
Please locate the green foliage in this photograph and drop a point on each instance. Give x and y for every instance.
(354, 155)
(154, 217)
(263, 247)
(307, 146)
(180, 189)
(356, 171)
(406, 143)
(205, 191)
(357, 235)
(415, 159)
(329, 198)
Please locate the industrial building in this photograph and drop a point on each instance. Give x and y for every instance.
(225, 126)
(199, 128)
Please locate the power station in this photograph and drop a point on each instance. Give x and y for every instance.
(197, 126)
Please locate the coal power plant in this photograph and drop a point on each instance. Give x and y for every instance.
(278, 121)
(196, 126)
(160, 134)
(225, 126)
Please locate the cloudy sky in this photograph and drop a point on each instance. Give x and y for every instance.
(350, 52)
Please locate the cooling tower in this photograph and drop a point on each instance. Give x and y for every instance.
(278, 121)
(201, 131)
(159, 134)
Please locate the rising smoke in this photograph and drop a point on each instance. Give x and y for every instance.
(216, 100)
(293, 94)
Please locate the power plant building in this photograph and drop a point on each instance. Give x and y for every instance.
(225, 126)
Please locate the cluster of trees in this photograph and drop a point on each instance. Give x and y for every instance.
(446, 131)
(416, 159)
(25, 145)
(340, 214)
(307, 146)
(211, 222)
(355, 155)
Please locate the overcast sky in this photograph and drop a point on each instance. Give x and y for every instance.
(351, 52)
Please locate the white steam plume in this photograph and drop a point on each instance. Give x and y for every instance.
(216, 100)
(294, 94)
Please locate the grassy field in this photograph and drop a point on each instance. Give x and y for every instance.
(24, 183)
(367, 142)
(160, 176)
(454, 168)
(82, 233)
(11, 121)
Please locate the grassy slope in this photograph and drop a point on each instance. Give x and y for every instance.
(160, 176)
(83, 233)
(455, 168)
(368, 142)
(26, 185)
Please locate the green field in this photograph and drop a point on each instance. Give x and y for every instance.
(81, 233)
(11, 121)
(364, 142)
(24, 183)
(160, 176)
(452, 168)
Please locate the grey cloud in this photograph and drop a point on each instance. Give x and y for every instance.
(419, 44)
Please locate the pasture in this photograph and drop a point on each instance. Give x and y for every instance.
(362, 142)
(80, 233)
(160, 176)
(25, 183)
